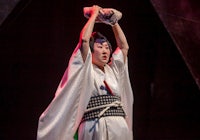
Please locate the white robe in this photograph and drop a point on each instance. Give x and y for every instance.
(62, 117)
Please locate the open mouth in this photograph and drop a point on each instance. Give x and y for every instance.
(104, 57)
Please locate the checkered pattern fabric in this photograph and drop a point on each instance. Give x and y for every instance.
(101, 101)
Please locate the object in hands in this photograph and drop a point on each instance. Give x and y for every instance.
(106, 15)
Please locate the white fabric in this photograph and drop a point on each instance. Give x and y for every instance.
(82, 80)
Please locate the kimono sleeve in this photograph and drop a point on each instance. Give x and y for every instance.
(120, 68)
(63, 115)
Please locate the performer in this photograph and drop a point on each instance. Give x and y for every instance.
(94, 98)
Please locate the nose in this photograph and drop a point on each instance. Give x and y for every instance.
(105, 50)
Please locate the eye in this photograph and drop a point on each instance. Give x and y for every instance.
(107, 47)
(99, 46)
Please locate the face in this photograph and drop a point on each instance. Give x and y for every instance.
(101, 54)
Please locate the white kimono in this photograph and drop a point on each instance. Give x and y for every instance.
(80, 81)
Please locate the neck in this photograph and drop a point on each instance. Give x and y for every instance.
(100, 67)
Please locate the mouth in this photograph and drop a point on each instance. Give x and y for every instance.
(105, 57)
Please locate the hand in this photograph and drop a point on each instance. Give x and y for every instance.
(108, 16)
(94, 10)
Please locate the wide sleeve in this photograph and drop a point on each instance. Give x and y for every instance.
(63, 115)
(121, 71)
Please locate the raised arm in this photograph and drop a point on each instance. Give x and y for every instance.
(87, 31)
(121, 39)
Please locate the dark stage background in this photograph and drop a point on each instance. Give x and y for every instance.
(37, 38)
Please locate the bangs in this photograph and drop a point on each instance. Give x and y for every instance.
(100, 40)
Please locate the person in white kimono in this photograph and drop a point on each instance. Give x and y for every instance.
(94, 98)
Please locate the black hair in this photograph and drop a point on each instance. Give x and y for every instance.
(96, 36)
